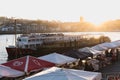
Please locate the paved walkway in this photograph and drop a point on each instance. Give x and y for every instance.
(111, 70)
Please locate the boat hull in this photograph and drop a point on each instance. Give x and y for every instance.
(14, 53)
(17, 52)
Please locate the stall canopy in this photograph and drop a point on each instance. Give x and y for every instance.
(8, 72)
(77, 54)
(99, 47)
(28, 64)
(117, 43)
(55, 73)
(108, 45)
(90, 50)
(57, 58)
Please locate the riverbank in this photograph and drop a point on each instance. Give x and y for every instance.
(21, 32)
(11, 32)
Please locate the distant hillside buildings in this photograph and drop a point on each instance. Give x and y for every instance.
(30, 26)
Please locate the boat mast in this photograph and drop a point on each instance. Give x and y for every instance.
(15, 33)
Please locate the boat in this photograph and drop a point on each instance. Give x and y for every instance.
(40, 44)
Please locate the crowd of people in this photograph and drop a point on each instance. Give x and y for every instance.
(108, 57)
(95, 64)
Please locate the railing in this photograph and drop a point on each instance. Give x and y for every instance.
(111, 76)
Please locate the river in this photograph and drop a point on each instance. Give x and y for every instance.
(6, 40)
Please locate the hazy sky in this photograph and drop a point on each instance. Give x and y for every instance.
(64, 10)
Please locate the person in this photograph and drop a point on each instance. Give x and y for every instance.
(91, 67)
(65, 65)
(88, 67)
(110, 77)
(107, 53)
(114, 57)
(117, 52)
(111, 52)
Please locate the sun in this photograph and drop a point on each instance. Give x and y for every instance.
(96, 22)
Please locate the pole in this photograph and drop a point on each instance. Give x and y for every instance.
(16, 55)
(15, 33)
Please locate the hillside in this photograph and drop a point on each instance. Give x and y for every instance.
(8, 25)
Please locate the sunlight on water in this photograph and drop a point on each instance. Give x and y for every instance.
(5, 40)
(113, 35)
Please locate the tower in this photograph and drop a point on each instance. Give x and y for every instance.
(81, 19)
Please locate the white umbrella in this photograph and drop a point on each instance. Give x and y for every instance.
(8, 72)
(57, 58)
(55, 73)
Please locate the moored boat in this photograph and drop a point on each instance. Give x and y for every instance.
(40, 44)
(45, 43)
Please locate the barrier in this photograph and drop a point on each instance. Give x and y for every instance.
(111, 76)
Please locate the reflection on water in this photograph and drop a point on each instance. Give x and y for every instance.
(6, 40)
(113, 35)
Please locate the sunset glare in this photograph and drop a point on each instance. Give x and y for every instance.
(95, 11)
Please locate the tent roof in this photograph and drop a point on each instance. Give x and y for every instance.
(8, 72)
(99, 47)
(90, 50)
(77, 54)
(117, 43)
(57, 58)
(108, 45)
(55, 73)
(28, 64)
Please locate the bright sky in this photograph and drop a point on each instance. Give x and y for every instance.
(95, 11)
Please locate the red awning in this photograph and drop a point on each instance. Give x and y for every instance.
(28, 64)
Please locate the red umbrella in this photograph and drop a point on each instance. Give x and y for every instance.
(28, 64)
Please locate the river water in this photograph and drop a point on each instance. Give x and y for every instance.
(6, 40)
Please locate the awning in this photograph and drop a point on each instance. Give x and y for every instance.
(55, 73)
(57, 58)
(9, 72)
(28, 64)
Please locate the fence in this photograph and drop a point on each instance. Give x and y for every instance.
(111, 76)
